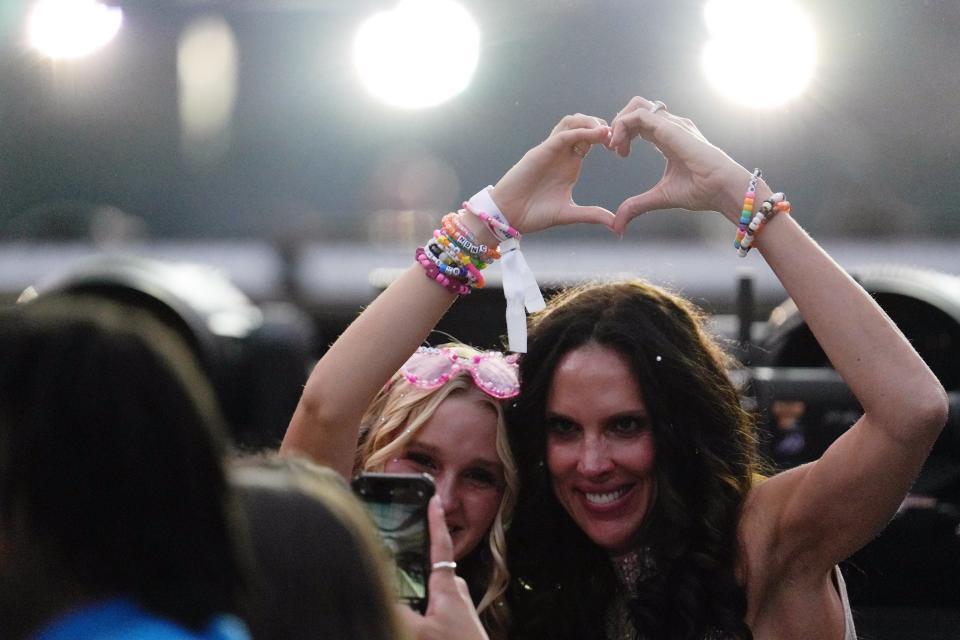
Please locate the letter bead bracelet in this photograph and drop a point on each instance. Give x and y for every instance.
(454, 258)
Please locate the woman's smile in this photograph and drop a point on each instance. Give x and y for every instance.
(600, 448)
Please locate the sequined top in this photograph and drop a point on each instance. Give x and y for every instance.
(640, 565)
(631, 569)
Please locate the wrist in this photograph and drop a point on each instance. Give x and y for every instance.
(733, 196)
(476, 227)
(480, 205)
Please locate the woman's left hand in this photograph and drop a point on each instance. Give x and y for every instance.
(698, 176)
(450, 611)
(537, 192)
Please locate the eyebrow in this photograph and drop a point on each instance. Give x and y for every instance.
(492, 465)
(639, 414)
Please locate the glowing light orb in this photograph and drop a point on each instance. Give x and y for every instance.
(420, 54)
(761, 53)
(71, 28)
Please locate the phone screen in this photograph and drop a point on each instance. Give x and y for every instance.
(398, 504)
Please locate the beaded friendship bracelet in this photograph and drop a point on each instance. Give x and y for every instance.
(775, 204)
(453, 257)
(433, 273)
(747, 211)
(462, 236)
(456, 252)
(498, 225)
(458, 265)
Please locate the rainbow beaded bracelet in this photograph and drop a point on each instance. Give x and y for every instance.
(747, 211)
(772, 206)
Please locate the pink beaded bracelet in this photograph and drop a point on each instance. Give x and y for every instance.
(497, 227)
(433, 273)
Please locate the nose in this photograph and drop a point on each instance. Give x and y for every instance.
(595, 460)
(446, 488)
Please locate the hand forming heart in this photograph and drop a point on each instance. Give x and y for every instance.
(536, 193)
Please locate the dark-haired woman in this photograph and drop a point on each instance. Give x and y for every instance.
(642, 513)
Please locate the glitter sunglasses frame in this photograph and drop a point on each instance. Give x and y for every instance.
(492, 372)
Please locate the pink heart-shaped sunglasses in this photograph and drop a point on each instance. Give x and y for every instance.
(492, 372)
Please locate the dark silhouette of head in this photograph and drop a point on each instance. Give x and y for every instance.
(111, 477)
(322, 569)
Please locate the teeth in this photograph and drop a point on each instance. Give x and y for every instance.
(605, 498)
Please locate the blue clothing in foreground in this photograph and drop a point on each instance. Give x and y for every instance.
(122, 619)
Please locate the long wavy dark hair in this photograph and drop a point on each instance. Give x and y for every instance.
(706, 462)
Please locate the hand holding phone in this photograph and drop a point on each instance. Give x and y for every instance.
(450, 613)
(398, 504)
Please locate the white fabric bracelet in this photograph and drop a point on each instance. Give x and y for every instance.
(519, 284)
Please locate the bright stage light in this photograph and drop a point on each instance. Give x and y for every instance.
(71, 28)
(764, 66)
(420, 54)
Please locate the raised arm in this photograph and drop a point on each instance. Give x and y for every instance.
(534, 194)
(813, 516)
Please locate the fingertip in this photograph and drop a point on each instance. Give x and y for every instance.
(436, 503)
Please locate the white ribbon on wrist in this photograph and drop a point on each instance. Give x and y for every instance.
(519, 284)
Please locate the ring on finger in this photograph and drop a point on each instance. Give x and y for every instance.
(581, 149)
(444, 564)
(657, 106)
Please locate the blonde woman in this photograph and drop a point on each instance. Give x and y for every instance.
(441, 414)
(371, 405)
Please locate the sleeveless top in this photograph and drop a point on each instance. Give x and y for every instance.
(641, 565)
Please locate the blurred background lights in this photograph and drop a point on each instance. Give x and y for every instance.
(71, 28)
(420, 54)
(760, 74)
(207, 59)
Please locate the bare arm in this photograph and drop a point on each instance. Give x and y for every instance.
(534, 194)
(326, 422)
(811, 517)
(835, 505)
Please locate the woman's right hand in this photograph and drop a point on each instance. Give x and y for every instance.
(450, 611)
(698, 175)
(537, 192)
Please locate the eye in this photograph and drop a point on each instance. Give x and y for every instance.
(481, 478)
(421, 460)
(629, 425)
(558, 427)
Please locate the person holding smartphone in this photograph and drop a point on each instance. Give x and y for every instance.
(376, 401)
(440, 414)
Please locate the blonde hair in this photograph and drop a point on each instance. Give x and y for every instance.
(395, 417)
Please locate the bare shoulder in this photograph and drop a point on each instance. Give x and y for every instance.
(764, 546)
(785, 598)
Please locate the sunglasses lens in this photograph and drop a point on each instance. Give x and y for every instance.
(427, 369)
(497, 377)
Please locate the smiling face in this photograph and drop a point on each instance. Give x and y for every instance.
(600, 449)
(458, 447)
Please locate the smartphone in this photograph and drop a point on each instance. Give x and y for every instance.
(398, 504)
